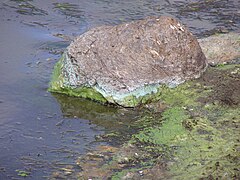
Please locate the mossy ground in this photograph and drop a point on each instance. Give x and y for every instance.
(200, 129)
(192, 132)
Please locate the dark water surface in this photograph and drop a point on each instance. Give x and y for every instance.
(39, 131)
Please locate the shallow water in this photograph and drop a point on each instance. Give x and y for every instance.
(39, 131)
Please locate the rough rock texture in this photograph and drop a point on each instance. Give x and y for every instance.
(127, 63)
(221, 48)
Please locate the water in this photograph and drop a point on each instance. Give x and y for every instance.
(39, 131)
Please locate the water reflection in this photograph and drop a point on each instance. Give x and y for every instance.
(111, 118)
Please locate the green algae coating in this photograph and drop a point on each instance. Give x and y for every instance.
(57, 79)
(140, 96)
(170, 131)
(57, 85)
(208, 152)
(84, 92)
(132, 100)
(200, 140)
(206, 138)
(23, 173)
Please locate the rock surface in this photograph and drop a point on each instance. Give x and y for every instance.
(221, 48)
(126, 64)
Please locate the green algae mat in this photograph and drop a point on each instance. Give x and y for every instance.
(189, 132)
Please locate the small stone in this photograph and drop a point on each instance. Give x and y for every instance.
(221, 48)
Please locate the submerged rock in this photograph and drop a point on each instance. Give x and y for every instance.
(126, 64)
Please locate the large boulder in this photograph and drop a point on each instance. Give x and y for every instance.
(127, 64)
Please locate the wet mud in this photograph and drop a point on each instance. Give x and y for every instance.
(225, 83)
